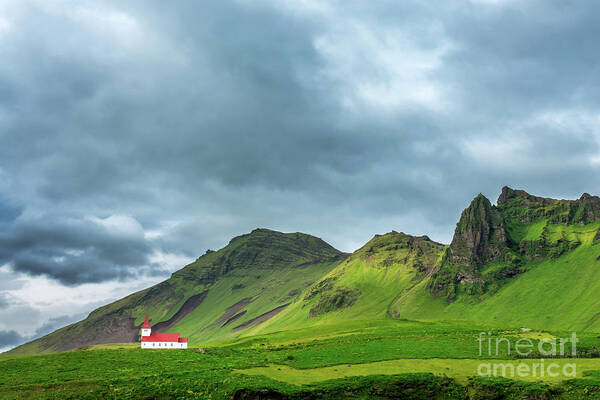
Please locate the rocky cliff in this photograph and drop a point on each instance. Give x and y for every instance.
(493, 243)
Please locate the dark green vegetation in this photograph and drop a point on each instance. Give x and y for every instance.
(275, 310)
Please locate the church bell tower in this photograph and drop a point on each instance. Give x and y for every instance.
(146, 327)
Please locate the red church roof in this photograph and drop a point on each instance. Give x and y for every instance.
(146, 324)
(163, 337)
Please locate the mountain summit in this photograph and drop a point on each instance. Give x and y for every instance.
(255, 273)
(480, 236)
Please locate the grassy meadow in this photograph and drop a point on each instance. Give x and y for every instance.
(355, 359)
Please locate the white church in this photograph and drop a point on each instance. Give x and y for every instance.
(161, 340)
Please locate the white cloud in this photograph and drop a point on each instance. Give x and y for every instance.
(506, 151)
(516, 146)
(5, 26)
(169, 262)
(576, 123)
(122, 225)
(312, 7)
(383, 68)
(41, 299)
(116, 25)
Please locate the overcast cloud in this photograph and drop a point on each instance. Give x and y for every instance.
(135, 135)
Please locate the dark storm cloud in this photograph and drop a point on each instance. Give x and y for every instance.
(10, 338)
(54, 323)
(202, 121)
(4, 300)
(8, 212)
(74, 250)
(529, 55)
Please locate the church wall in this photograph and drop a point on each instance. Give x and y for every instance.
(163, 345)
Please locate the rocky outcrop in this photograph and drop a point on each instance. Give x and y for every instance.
(524, 199)
(520, 206)
(503, 235)
(585, 210)
(480, 236)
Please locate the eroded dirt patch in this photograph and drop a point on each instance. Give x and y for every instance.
(232, 311)
(187, 307)
(232, 319)
(261, 318)
(115, 330)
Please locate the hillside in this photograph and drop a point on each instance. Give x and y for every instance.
(529, 261)
(217, 295)
(365, 285)
(526, 261)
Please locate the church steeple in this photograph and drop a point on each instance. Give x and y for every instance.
(146, 330)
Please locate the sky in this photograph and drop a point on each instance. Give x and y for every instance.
(136, 135)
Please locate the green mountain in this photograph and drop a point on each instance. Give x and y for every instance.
(526, 261)
(365, 285)
(529, 261)
(217, 296)
(492, 243)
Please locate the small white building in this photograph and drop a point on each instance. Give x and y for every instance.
(161, 340)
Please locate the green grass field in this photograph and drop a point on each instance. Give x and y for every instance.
(459, 369)
(351, 357)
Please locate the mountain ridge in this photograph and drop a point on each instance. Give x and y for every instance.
(266, 280)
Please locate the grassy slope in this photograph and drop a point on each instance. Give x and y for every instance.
(557, 293)
(552, 293)
(268, 264)
(269, 288)
(384, 267)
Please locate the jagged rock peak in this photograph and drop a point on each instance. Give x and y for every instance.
(509, 194)
(401, 236)
(478, 212)
(480, 236)
(586, 197)
(584, 210)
